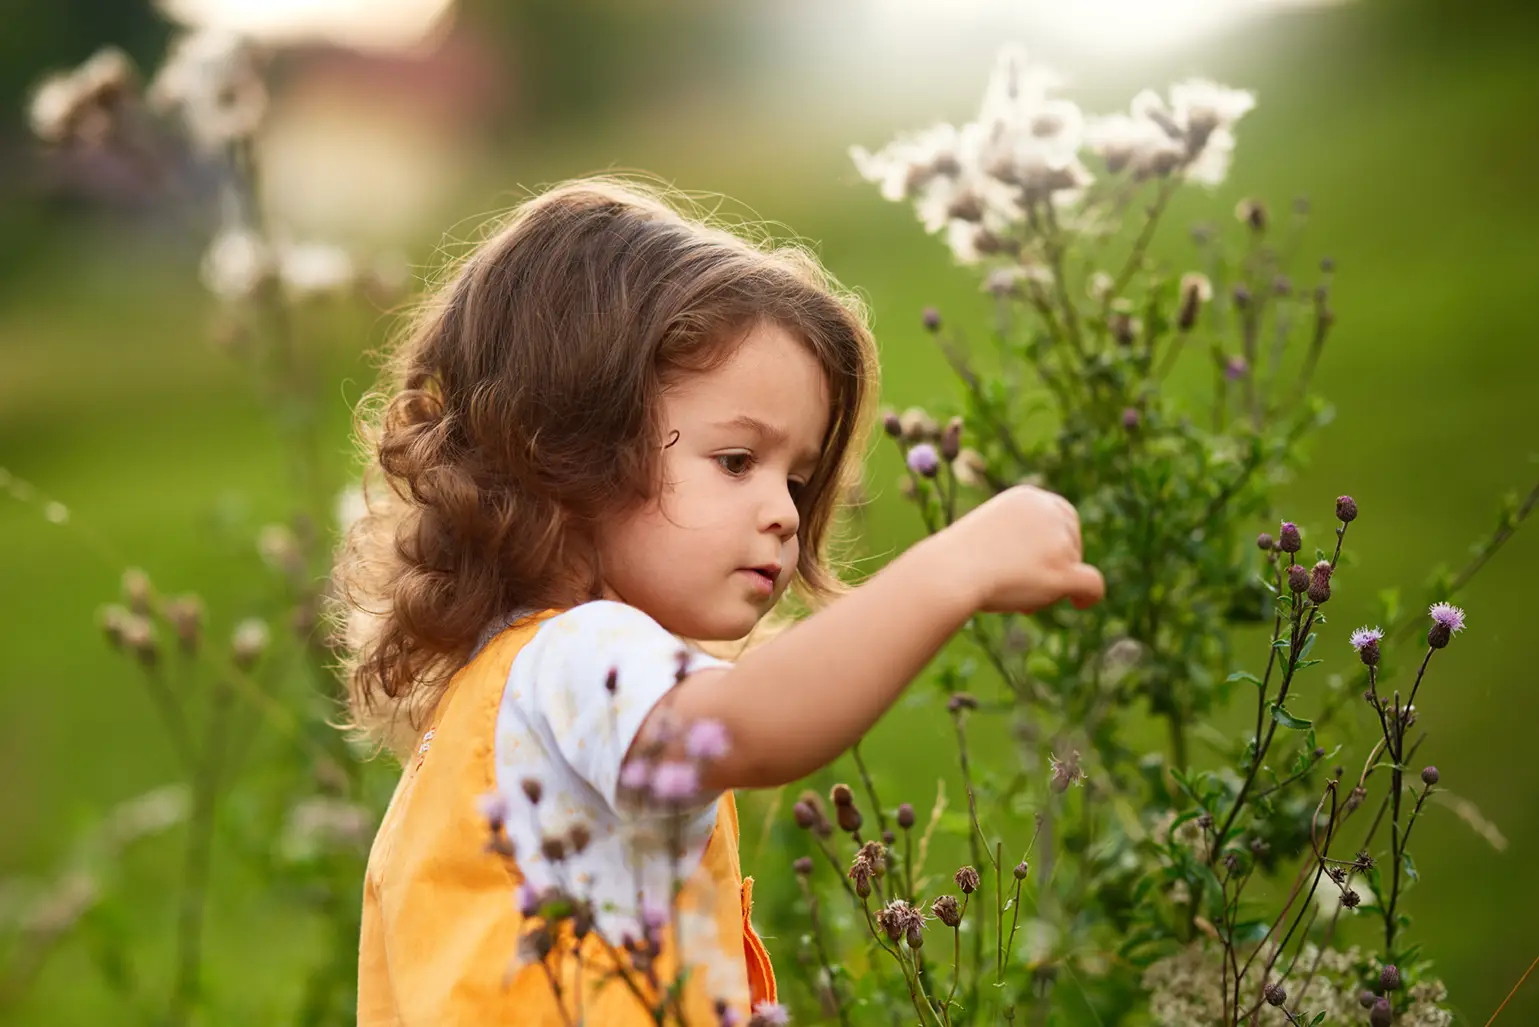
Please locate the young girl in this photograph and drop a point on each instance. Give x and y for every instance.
(613, 436)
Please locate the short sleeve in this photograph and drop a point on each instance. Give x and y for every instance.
(571, 660)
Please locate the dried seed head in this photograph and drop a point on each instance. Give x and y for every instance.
(841, 795)
(862, 875)
(918, 425)
(1350, 898)
(802, 866)
(1389, 977)
(1276, 995)
(1346, 509)
(1288, 538)
(1298, 578)
(533, 790)
(951, 440)
(1064, 773)
(905, 816)
(186, 616)
(249, 642)
(1356, 797)
(137, 590)
(967, 879)
(1429, 776)
(946, 910)
(888, 837)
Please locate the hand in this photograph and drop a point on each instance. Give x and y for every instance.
(1021, 551)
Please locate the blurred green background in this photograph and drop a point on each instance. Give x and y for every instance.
(1409, 125)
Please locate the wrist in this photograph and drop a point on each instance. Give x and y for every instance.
(945, 577)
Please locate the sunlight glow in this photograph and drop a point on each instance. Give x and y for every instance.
(390, 25)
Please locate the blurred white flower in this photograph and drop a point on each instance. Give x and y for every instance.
(321, 824)
(83, 105)
(212, 78)
(359, 24)
(351, 508)
(315, 269)
(1032, 139)
(237, 263)
(1194, 132)
(151, 813)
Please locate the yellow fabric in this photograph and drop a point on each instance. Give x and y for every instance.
(440, 920)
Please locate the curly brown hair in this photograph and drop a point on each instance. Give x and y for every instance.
(520, 410)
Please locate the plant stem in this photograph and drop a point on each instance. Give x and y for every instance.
(865, 777)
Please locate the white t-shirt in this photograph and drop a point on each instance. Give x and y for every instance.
(559, 724)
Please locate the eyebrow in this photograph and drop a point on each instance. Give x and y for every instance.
(769, 433)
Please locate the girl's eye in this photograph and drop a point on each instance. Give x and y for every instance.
(735, 464)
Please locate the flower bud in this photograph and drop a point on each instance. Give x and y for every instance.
(802, 866)
(849, 818)
(578, 838)
(1366, 999)
(918, 425)
(946, 910)
(1265, 542)
(1346, 509)
(1288, 538)
(840, 795)
(1021, 870)
(1276, 995)
(186, 616)
(1389, 977)
(1429, 776)
(1320, 582)
(932, 319)
(1130, 418)
(137, 590)
(1253, 213)
(805, 816)
(951, 440)
(889, 838)
(1382, 1014)
(967, 879)
(961, 701)
(553, 849)
(915, 936)
(905, 816)
(891, 425)
(1123, 328)
(1298, 578)
(1195, 291)
(1241, 296)
(1439, 635)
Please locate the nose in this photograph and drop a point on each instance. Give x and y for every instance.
(779, 513)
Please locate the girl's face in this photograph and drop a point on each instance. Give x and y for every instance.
(710, 555)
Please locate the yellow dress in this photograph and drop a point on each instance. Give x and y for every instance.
(440, 921)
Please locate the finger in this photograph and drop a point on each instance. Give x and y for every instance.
(1084, 586)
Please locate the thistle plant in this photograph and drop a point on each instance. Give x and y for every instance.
(1104, 882)
(247, 697)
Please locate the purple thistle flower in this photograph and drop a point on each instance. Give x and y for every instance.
(528, 899)
(923, 460)
(654, 917)
(1364, 635)
(675, 781)
(1451, 617)
(1447, 620)
(1130, 418)
(494, 808)
(635, 775)
(769, 1014)
(1236, 368)
(707, 739)
(1288, 538)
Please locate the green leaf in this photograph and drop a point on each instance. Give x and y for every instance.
(1309, 643)
(1244, 675)
(1410, 866)
(1288, 720)
(1307, 663)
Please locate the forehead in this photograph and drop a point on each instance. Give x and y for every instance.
(771, 377)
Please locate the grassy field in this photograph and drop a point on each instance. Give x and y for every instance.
(112, 402)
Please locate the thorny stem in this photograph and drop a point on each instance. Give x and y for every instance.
(1299, 633)
(865, 777)
(200, 836)
(822, 951)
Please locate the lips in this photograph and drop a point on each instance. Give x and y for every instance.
(769, 570)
